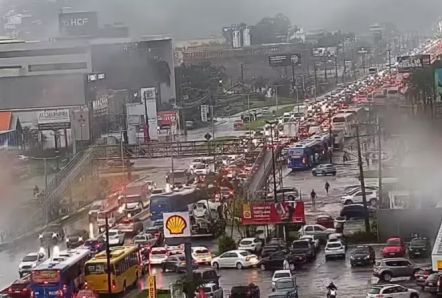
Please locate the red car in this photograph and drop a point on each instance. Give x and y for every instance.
(395, 248)
(325, 221)
(20, 288)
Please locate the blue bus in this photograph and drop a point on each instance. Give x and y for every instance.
(60, 276)
(174, 201)
(308, 153)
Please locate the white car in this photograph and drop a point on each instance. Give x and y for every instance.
(319, 231)
(238, 259)
(253, 245)
(211, 290)
(280, 274)
(311, 238)
(393, 291)
(29, 262)
(355, 198)
(158, 255)
(201, 255)
(115, 237)
(196, 161)
(334, 249)
(201, 169)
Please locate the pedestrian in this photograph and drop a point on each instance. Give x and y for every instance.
(327, 186)
(286, 265)
(367, 159)
(313, 197)
(344, 158)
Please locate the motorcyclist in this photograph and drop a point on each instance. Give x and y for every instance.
(332, 286)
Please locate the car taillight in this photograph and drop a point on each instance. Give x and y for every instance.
(379, 296)
(32, 294)
(65, 288)
(10, 290)
(114, 284)
(60, 293)
(438, 282)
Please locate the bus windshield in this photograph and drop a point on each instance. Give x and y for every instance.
(296, 152)
(46, 276)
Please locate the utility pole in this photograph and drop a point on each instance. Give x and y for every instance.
(122, 157)
(242, 73)
(389, 61)
(146, 119)
(361, 177)
(330, 135)
(316, 79)
(379, 163)
(336, 69)
(108, 257)
(273, 161)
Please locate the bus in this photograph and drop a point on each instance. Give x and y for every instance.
(345, 122)
(360, 114)
(60, 276)
(125, 270)
(174, 202)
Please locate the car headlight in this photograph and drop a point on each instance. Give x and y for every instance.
(34, 265)
(352, 257)
(40, 236)
(367, 257)
(80, 239)
(54, 235)
(67, 240)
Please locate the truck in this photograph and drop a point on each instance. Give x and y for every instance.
(290, 129)
(206, 218)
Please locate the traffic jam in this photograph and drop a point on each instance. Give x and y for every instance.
(129, 222)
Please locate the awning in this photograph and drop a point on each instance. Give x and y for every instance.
(5, 121)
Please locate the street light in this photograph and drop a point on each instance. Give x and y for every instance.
(272, 125)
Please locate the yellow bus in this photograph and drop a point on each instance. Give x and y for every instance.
(125, 270)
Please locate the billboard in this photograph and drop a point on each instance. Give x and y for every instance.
(284, 59)
(438, 82)
(167, 119)
(409, 63)
(176, 224)
(273, 213)
(204, 113)
(54, 119)
(324, 52)
(78, 23)
(42, 91)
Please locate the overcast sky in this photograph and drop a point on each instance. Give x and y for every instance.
(201, 18)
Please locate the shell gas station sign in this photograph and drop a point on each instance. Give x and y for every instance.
(176, 224)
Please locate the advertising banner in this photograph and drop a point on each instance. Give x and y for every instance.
(54, 119)
(273, 213)
(409, 63)
(204, 113)
(284, 60)
(167, 119)
(176, 224)
(325, 52)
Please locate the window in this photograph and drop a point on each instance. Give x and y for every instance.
(388, 290)
(282, 274)
(57, 66)
(309, 229)
(318, 229)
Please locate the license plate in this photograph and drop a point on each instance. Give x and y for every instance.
(417, 253)
(430, 283)
(392, 254)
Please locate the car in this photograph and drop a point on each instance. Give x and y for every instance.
(253, 245)
(76, 238)
(20, 288)
(116, 238)
(158, 255)
(210, 290)
(176, 263)
(95, 245)
(363, 255)
(319, 231)
(53, 234)
(432, 282)
(337, 237)
(238, 259)
(353, 189)
(275, 260)
(370, 195)
(201, 255)
(334, 249)
(175, 249)
(324, 169)
(157, 232)
(145, 240)
(29, 262)
(304, 247)
(250, 291)
(201, 169)
(313, 239)
(355, 211)
(195, 162)
(421, 275)
(390, 290)
(269, 249)
(278, 274)
(286, 194)
(386, 269)
(325, 221)
(130, 226)
(205, 275)
(395, 248)
(419, 247)
(286, 285)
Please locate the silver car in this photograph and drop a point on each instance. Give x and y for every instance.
(386, 269)
(325, 169)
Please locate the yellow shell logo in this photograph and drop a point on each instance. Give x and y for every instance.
(176, 225)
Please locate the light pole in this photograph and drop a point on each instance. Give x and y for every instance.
(272, 125)
(361, 177)
(146, 119)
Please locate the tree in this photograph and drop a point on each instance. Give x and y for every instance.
(422, 85)
(271, 30)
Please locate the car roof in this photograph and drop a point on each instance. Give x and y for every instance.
(237, 250)
(282, 271)
(32, 254)
(394, 259)
(248, 238)
(199, 247)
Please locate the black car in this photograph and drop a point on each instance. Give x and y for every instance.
(355, 211)
(205, 275)
(95, 245)
(363, 255)
(53, 233)
(275, 260)
(267, 250)
(304, 247)
(176, 263)
(419, 247)
(76, 238)
(421, 275)
(431, 283)
(250, 291)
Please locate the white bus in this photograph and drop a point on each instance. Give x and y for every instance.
(345, 122)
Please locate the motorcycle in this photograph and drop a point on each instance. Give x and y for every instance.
(331, 293)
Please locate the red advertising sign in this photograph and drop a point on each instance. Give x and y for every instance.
(273, 213)
(167, 118)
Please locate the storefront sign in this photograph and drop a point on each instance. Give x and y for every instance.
(54, 119)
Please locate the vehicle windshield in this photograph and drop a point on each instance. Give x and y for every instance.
(202, 251)
(30, 258)
(418, 242)
(282, 274)
(140, 238)
(200, 166)
(361, 251)
(300, 244)
(393, 242)
(286, 284)
(113, 233)
(159, 252)
(334, 245)
(245, 253)
(374, 291)
(246, 242)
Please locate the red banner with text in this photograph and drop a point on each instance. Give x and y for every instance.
(273, 213)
